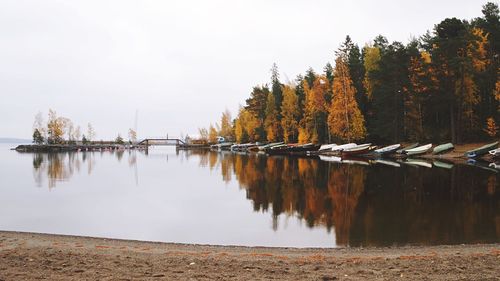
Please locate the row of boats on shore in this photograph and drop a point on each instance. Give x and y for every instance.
(358, 150)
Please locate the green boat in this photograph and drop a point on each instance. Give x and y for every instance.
(443, 148)
(481, 150)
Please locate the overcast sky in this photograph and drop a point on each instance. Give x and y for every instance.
(178, 63)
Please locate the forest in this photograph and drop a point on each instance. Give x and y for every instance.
(442, 86)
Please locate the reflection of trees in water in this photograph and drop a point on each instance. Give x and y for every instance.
(374, 205)
(56, 167)
(427, 206)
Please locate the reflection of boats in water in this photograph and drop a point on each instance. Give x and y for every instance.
(418, 162)
(330, 158)
(482, 165)
(349, 160)
(494, 152)
(442, 164)
(494, 165)
(387, 162)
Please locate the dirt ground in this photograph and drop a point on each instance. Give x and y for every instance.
(27, 256)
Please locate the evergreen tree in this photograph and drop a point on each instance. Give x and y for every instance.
(388, 94)
(256, 104)
(457, 86)
(37, 137)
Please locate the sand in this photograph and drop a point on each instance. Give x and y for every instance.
(28, 256)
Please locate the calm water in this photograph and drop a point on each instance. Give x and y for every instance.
(234, 199)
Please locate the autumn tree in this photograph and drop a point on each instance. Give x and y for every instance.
(271, 121)
(289, 113)
(345, 119)
(256, 105)
(132, 136)
(90, 132)
(487, 28)
(212, 134)
(203, 132)
(371, 64)
(453, 57)
(226, 127)
(55, 128)
(313, 124)
(491, 127)
(422, 86)
(77, 133)
(246, 126)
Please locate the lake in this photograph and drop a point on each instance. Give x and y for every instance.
(224, 198)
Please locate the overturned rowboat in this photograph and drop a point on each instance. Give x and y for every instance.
(419, 150)
(411, 146)
(357, 150)
(341, 147)
(481, 150)
(388, 149)
(443, 148)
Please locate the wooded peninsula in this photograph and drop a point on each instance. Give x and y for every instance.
(443, 86)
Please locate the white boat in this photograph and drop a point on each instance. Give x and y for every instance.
(343, 146)
(494, 152)
(419, 150)
(327, 147)
(357, 149)
(388, 149)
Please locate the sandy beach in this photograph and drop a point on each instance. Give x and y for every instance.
(28, 256)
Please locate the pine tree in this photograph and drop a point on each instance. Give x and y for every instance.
(37, 137)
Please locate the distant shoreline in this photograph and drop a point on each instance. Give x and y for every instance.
(29, 256)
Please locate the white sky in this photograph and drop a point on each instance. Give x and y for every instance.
(179, 63)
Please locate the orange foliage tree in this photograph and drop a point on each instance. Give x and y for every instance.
(345, 120)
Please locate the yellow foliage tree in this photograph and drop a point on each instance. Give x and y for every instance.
(289, 113)
(371, 63)
(226, 127)
(271, 121)
(55, 127)
(246, 126)
(212, 134)
(491, 127)
(345, 120)
(315, 107)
